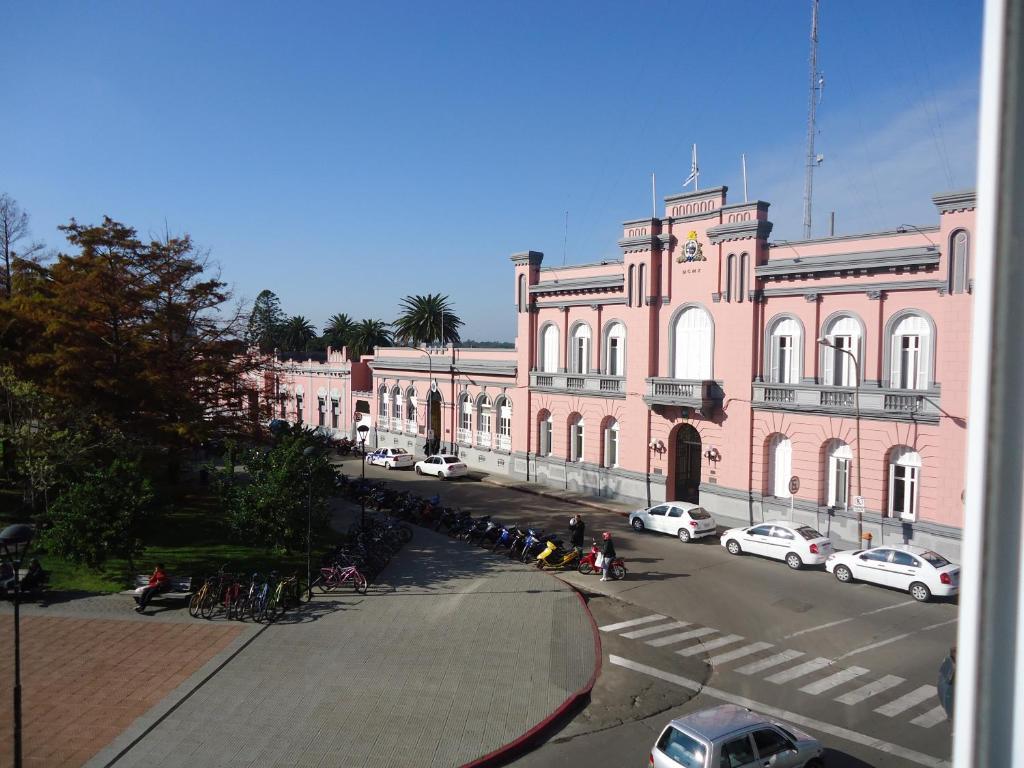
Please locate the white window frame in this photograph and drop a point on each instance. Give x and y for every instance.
(780, 465)
(577, 439)
(840, 461)
(785, 342)
(580, 357)
(611, 444)
(549, 348)
(382, 405)
(465, 413)
(396, 404)
(544, 432)
(911, 342)
(615, 355)
(694, 344)
(904, 484)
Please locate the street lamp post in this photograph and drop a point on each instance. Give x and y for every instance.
(309, 452)
(14, 541)
(362, 429)
(856, 410)
(430, 383)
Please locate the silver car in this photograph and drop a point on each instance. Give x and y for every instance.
(729, 736)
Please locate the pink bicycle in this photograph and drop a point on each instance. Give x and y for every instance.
(334, 576)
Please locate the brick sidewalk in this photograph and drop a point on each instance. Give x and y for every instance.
(86, 680)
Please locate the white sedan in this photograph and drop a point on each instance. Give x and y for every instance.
(442, 466)
(390, 458)
(916, 570)
(798, 545)
(679, 518)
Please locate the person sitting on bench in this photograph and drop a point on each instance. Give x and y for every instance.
(158, 582)
(35, 576)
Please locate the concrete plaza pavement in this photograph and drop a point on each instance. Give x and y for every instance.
(453, 655)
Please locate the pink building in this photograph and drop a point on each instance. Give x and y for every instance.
(710, 365)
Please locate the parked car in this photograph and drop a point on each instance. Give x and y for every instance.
(798, 545)
(390, 458)
(443, 466)
(679, 518)
(916, 570)
(733, 736)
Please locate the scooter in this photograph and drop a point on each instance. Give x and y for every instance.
(505, 537)
(586, 565)
(534, 545)
(554, 558)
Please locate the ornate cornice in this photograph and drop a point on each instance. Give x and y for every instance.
(532, 258)
(953, 202)
(740, 230)
(862, 261)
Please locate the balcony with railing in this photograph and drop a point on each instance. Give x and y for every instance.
(410, 426)
(920, 405)
(396, 424)
(504, 442)
(704, 395)
(465, 435)
(598, 384)
(383, 422)
(483, 439)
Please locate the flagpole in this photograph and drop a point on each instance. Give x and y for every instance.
(654, 199)
(696, 168)
(743, 158)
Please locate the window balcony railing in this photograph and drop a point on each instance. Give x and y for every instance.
(410, 426)
(504, 442)
(704, 395)
(483, 439)
(598, 384)
(875, 402)
(465, 435)
(382, 422)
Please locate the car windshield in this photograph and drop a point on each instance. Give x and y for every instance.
(808, 533)
(450, 460)
(683, 749)
(936, 560)
(699, 514)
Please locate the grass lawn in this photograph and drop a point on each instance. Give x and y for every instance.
(190, 538)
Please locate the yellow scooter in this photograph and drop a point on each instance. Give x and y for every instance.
(554, 558)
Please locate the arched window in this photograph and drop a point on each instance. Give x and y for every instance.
(465, 419)
(580, 350)
(958, 265)
(523, 294)
(730, 271)
(780, 465)
(382, 407)
(641, 285)
(741, 290)
(544, 423)
(910, 352)
(504, 408)
(785, 344)
(694, 344)
(844, 333)
(615, 349)
(611, 443)
(396, 408)
(904, 480)
(838, 459)
(549, 348)
(629, 286)
(483, 421)
(410, 409)
(576, 436)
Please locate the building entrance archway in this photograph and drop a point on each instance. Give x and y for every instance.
(433, 435)
(685, 462)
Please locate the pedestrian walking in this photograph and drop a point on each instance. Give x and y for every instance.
(158, 582)
(576, 530)
(607, 555)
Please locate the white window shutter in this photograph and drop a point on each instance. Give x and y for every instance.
(828, 372)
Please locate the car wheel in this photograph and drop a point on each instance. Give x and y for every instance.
(920, 592)
(814, 763)
(419, 471)
(638, 525)
(733, 547)
(388, 465)
(684, 536)
(843, 574)
(440, 474)
(793, 561)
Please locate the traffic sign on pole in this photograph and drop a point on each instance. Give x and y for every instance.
(794, 484)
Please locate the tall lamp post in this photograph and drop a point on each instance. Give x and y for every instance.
(363, 430)
(309, 453)
(14, 543)
(823, 341)
(430, 383)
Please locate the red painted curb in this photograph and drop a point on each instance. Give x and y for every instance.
(498, 756)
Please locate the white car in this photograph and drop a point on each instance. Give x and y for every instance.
(916, 570)
(679, 518)
(442, 466)
(798, 545)
(390, 458)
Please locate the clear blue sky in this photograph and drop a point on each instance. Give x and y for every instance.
(347, 154)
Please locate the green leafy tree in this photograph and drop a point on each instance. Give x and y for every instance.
(338, 330)
(426, 320)
(265, 321)
(368, 334)
(297, 333)
(283, 484)
(100, 517)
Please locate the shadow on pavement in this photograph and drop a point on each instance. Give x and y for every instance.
(836, 759)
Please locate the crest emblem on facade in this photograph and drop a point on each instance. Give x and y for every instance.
(691, 249)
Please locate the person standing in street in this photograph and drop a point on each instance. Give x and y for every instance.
(607, 555)
(576, 530)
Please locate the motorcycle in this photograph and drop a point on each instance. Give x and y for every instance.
(587, 564)
(533, 545)
(505, 537)
(489, 534)
(553, 557)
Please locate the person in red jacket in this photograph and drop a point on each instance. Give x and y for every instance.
(158, 582)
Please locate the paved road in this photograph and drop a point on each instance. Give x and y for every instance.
(853, 657)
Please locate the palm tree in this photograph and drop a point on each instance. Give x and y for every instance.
(338, 331)
(367, 334)
(296, 333)
(422, 319)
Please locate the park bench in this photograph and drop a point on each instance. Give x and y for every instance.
(180, 588)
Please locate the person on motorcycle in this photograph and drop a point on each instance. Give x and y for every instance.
(576, 530)
(607, 555)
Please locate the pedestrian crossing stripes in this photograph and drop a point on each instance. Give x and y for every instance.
(785, 666)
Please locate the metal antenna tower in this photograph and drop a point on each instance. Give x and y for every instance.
(817, 83)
